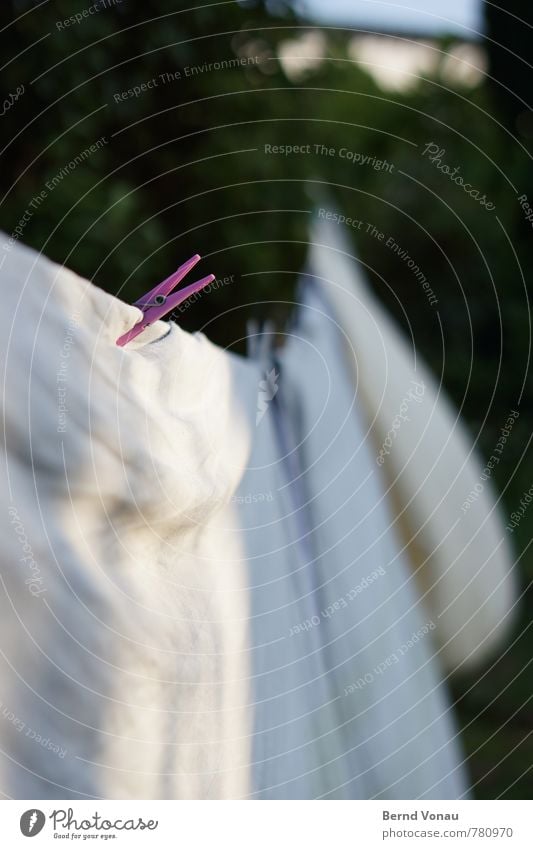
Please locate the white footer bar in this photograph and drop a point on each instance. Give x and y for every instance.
(268, 825)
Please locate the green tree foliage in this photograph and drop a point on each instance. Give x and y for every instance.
(179, 172)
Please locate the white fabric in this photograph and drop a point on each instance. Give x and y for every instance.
(131, 652)
(463, 562)
(186, 515)
(348, 703)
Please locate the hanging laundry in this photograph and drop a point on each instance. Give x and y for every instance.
(205, 588)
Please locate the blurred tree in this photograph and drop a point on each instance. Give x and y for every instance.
(184, 101)
(510, 49)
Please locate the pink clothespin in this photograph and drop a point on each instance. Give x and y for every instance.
(158, 301)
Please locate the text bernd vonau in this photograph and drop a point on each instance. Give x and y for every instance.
(415, 815)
